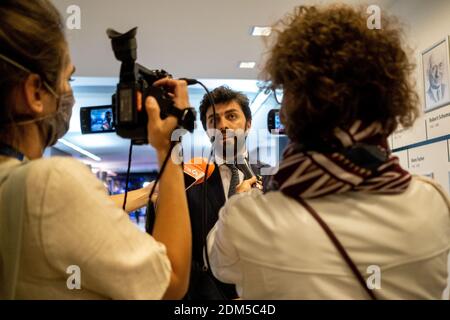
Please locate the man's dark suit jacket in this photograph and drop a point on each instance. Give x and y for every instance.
(202, 285)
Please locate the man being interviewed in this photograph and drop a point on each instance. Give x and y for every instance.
(232, 175)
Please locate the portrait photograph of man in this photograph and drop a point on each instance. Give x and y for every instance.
(436, 76)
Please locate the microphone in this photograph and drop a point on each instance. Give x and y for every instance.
(248, 172)
(194, 171)
(245, 168)
(194, 174)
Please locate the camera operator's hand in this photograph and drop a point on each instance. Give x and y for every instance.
(177, 89)
(159, 131)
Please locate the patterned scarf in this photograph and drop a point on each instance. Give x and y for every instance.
(357, 160)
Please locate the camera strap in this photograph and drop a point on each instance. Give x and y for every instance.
(8, 151)
(338, 245)
(186, 117)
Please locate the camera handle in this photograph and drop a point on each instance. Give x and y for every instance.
(186, 117)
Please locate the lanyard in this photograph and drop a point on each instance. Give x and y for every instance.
(9, 151)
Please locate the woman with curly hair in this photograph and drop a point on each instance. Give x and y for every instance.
(344, 220)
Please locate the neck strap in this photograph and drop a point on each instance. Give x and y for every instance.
(8, 151)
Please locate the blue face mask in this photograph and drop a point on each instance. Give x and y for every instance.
(54, 126)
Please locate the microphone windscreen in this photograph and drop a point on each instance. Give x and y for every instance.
(192, 174)
(196, 168)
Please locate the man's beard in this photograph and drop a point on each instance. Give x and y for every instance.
(232, 147)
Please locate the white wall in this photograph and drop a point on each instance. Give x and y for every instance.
(426, 23)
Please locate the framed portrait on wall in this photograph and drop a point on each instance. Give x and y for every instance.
(436, 75)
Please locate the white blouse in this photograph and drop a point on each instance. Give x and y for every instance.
(271, 247)
(69, 223)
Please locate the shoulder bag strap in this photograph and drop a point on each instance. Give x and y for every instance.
(337, 244)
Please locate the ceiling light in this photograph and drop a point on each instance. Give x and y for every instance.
(80, 150)
(247, 65)
(261, 31)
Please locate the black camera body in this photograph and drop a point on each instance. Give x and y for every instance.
(129, 122)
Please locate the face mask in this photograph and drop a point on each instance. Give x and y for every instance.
(54, 126)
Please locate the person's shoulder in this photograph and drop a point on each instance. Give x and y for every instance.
(59, 169)
(424, 182)
(428, 185)
(254, 203)
(58, 164)
(59, 178)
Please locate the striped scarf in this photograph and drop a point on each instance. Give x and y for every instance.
(357, 160)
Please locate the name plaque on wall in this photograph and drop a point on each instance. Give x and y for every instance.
(438, 122)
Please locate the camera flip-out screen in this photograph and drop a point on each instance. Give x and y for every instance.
(97, 119)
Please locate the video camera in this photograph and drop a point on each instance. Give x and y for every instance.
(130, 123)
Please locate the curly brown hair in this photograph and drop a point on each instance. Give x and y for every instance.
(334, 70)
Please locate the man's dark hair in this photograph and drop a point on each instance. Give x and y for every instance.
(224, 94)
